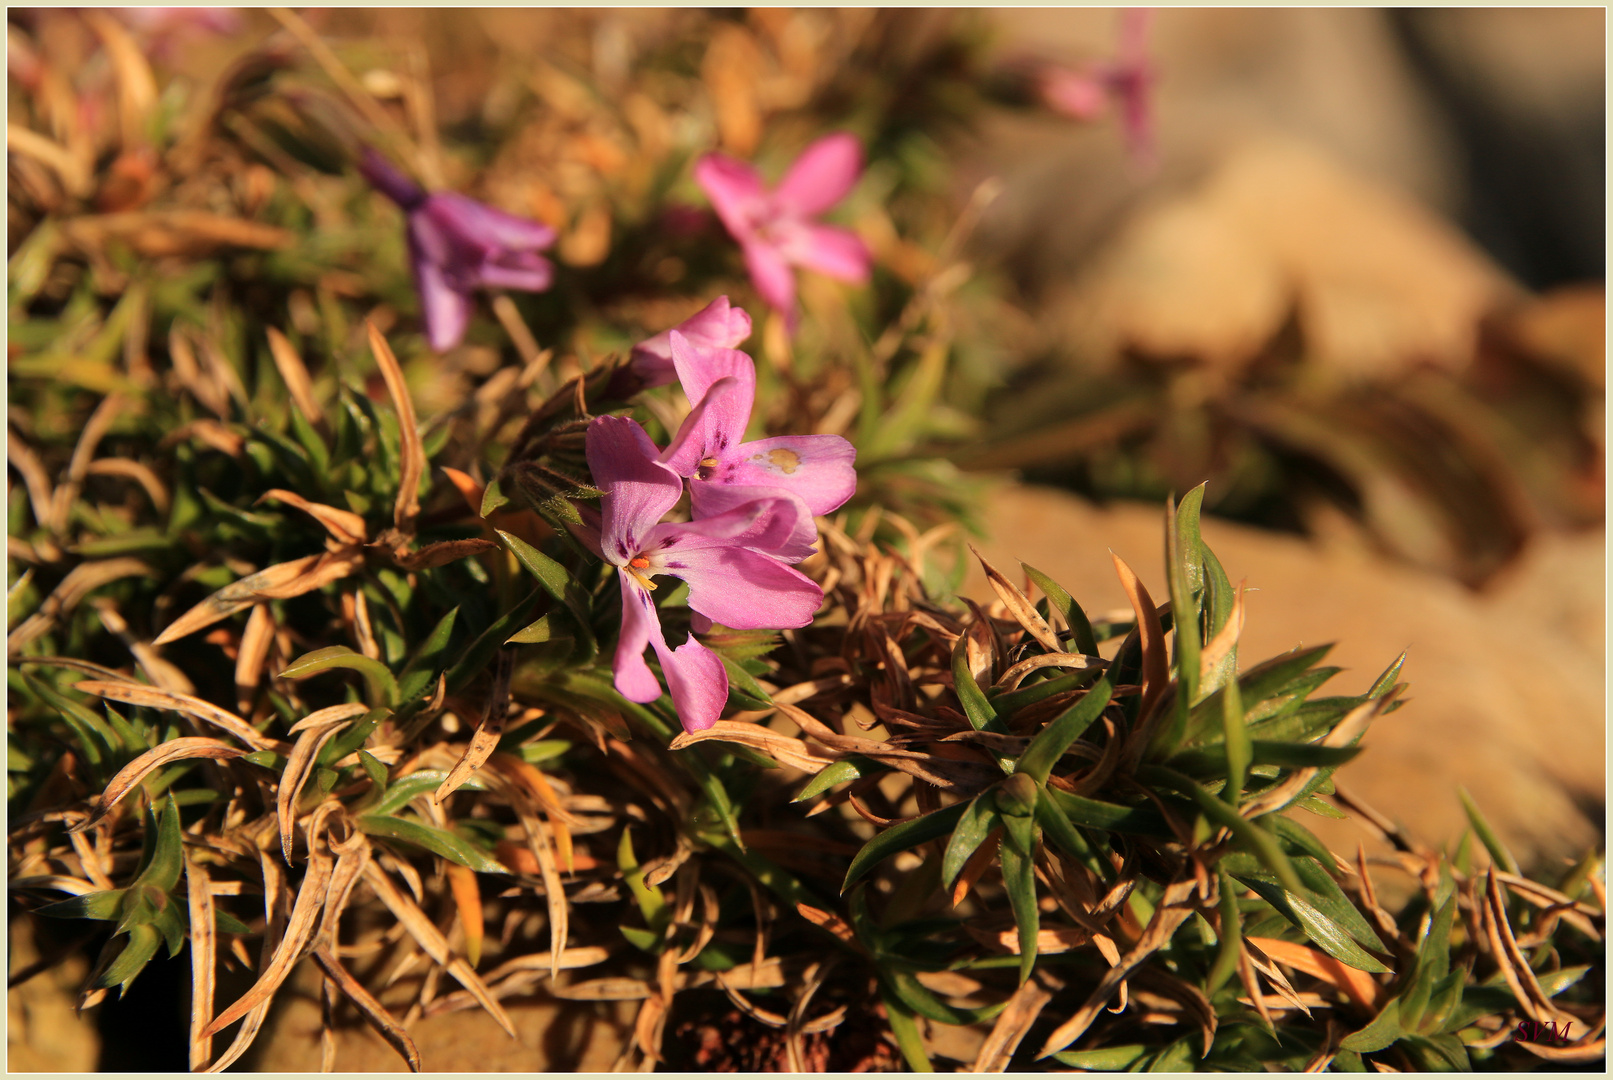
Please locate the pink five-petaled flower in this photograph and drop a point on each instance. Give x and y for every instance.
(1128, 79)
(775, 229)
(457, 245)
(733, 579)
(724, 472)
(715, 326)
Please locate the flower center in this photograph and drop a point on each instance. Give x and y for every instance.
(707, 467)
(635, 566)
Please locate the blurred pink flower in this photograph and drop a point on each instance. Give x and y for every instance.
(774, 227)
(458, 245)
(1127, 80)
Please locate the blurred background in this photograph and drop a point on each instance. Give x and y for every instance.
(1345, 264)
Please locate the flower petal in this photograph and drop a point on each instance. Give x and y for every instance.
(764, 522)
(709, 501)
(828, 249)
(444, 309)
(735, 190)
(824, 174)
(641, 626)
(481, 224)
(524, 270)
(772, 276)
(715, 423)
(638, 490)
(698, 369)
(747, 590)
(697, 681)
(715, 326)
(817, 468)
(383, 175)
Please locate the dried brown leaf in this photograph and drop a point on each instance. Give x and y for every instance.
(783, 749)
(277, 908)
(279, 582)
(252, 653)
(374, 1012)
(1156, 662)
(80, 581)
(412, 451)
(608, 989)
(435, 945)
(295, 375)
(1013, 1023)
(344, 526)
(140, 474)
(129, 777)
(1019, 606)
(1360, 986)
(153, 697)
(202, 949)
(299, 766)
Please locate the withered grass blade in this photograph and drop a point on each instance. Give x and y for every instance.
(1279, 982)
(277, 908)
(252, 654)
(1173, 910)
(487, 734)
(295, 375)
(279, 582)
(299, 929)
(1534, 1001)
(783, 749)
(158, 670)
(203, 946)
(129, 777)
(1156, 661)
(433, 943)
(373, 1011)
(80, 581)
(442, 553)
(607, 989)
(78, 466)
(468, 900)
(299, 765)
(352, 856)
(1012, 1024)
(344, 526)
(411, 451)
(152, 697)
(140, 474)
(331, 714)
(1019, 606)
(1358, 985)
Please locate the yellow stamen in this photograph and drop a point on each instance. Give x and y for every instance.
(632, 570)
(708, 463)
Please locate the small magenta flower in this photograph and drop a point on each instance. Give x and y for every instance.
(725, 472)
(457, 245)
(1128, 79)
(775, 229)
(715, 326)
(727, 560)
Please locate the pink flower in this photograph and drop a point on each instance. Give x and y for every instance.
(1127, 79)
(458, 245)
(775, 229)
(725, 472)
(734, 578)
(715, 326)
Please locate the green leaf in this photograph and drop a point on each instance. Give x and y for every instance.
(1228, 950)
(543, 750)
(1057, 827)
(229, 924)
(1487, 836)
(1212, 760)
(1257, 687)
(641, 939)
(493, 498)
(1093, 814)
(1433, 964)
(973, 827)
(1236, 744)
(1326, 933)
(489, 641)
(1316, 806)
(432, 839)
(1080, 628)
(96, 740)
(540, 630)
(651, 901)
(419, 782)
(1052, 741)
(383, 688)
(917, 997)
(850, 767)
(1255, 840)
(741, 681)
(142, 946)
(167, 856)
(558, 583)
(1386, 682)
(975, 706)
(1108, 1059)
(1006, 704)
(1019, 880)
(1441, 1053)
(102, 905)
(1382, 1032)
(373, 769)
(902, 837)
(351, 738)
(428, 660)
(906, 1030)
(1186, 582)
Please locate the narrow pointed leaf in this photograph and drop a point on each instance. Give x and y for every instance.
(437, 841)
(1080, 628)
(1327, 934)
(1052, 741)
(382, 686)
(901, 837)
(975, 705)
(973, 827)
